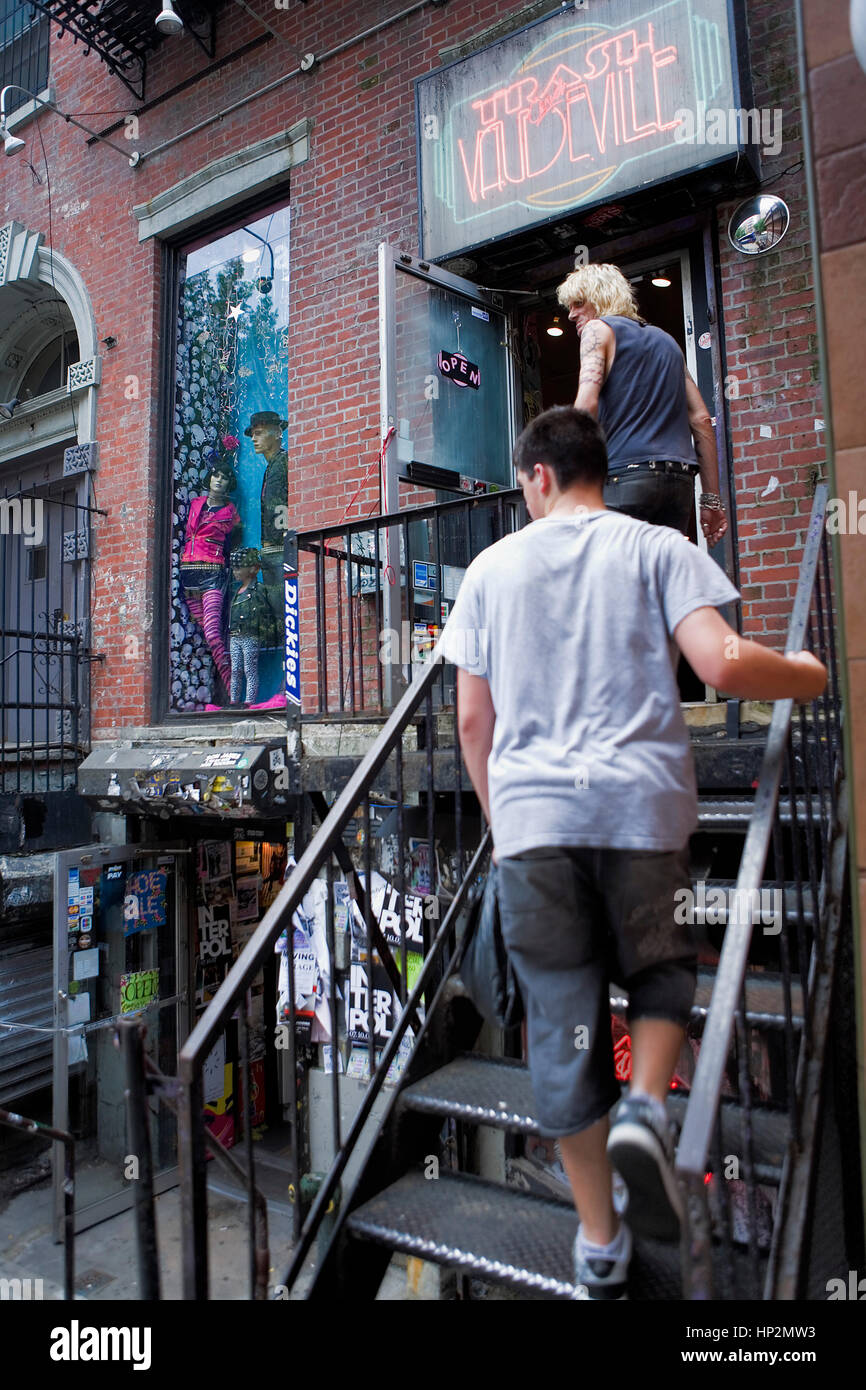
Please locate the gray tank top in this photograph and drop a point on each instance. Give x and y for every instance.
(642, 405)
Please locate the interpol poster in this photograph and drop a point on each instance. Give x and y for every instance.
(583, 106)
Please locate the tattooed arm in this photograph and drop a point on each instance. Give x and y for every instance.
(597, 342)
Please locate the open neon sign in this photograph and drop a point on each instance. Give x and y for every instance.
(566, 112)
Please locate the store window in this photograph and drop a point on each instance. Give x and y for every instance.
(230, 469)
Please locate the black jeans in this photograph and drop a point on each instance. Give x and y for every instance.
(664, 499)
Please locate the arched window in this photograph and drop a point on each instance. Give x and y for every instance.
(48, 368)
(38, 342)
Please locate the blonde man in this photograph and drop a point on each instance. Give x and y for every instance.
(634, 381)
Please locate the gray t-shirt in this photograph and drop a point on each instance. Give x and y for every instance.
(570, 621)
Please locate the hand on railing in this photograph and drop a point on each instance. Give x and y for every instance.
(811, 679)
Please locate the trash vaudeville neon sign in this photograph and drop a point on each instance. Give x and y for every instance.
(576, 108)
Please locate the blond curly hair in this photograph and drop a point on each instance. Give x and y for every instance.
(604, 287)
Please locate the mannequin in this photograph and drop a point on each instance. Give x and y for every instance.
(203, 566)
(266, 431)
(251, 624)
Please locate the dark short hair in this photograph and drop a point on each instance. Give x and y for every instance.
(570, 441)
(227, 471)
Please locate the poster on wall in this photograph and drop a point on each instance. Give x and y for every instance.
(144, 901)
(214, 934)
(386, 1006)
(231, 504)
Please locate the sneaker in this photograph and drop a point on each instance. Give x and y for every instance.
(641, 1148)
(544, 1179)
(601, 1280)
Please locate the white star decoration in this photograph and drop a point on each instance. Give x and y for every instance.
(235, 311)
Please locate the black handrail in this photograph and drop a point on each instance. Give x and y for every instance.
(259, 948)
(817, 764)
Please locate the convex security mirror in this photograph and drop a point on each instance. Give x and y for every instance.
(759, 224)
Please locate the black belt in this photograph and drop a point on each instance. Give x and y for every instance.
(655, 466)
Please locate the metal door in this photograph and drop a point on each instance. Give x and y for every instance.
(120, 949)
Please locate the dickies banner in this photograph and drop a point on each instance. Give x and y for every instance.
(582, 106)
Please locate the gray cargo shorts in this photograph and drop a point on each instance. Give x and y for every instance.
(574, 920)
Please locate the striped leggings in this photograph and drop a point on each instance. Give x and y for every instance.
(207, 611)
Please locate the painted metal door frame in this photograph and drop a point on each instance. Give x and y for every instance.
(89, 856)
(393, 261)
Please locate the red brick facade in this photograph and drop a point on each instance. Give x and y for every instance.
(359, 188)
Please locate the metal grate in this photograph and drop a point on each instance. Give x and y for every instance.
(24, 42)
(123, 32)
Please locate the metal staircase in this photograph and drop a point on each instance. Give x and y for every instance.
(749, 1108)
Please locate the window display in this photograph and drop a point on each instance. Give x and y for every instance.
(231, 505)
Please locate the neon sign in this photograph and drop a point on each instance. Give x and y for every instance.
(569, 112)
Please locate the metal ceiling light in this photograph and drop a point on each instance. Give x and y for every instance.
(555, 331)
(168, 22)
(661, 280)
(11, 143)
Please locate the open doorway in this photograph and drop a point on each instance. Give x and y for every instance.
(550, 362)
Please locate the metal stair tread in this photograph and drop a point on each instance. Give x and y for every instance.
(502, 1236)
(497, 1092)
(764, 994)
(465, 1222)
(736, 810)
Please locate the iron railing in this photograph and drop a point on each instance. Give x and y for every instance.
(447, 883)
(35, 1129)
(806, 830)
(800, 814)
(382, 588)
(44, 636)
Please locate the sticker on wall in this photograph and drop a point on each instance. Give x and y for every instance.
(705, 341)
(137, 990)
(234, 758)
(213, 1074)
(85, 964)
(459, 369)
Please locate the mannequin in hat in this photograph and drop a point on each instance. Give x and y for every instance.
(266, 431)
(252, 624)
(212, 522)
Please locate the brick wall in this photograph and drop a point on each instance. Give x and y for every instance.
(772, 371)
(357, 189)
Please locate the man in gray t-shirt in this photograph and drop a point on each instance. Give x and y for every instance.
(566, 637)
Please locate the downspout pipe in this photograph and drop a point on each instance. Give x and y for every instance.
(820, 320)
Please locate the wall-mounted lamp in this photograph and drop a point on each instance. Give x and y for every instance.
(168, 21)
(661, 280)
(308, 62)
(555, 329)
(12, 144)
(7, 408)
